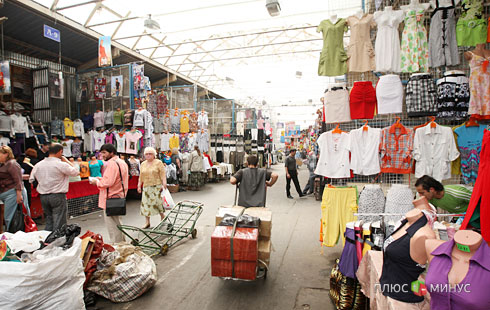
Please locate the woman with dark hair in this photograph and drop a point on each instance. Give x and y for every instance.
(10, 183)
(27, 163)
(196, 179)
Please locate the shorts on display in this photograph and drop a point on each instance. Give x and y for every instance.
(389, 93)
(471, 32)
(421, 96)
(337, 108)
(362, 100)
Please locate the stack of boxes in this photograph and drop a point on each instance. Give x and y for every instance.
(249, 244)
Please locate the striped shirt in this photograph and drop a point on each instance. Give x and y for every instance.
(455, 200)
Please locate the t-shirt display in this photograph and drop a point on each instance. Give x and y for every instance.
(132, 138)
(120, 142)
(469, 144)
(334, 155)
(364, 147)
(67, 147)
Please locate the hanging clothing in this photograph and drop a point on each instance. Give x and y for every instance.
(132, 138)
(88, 122)
(399, 269)
(334, 155)
(166, 123)
(389, 94)
(471, 28)
(479, 85)
(414, 48)
(433, 150)
(338, 208)
(67, 148)
(139, 118)
(99, 140)
(469, 144)
(453, 96)
(174, 141)
(57, 127)
(99, 119)
(478, 212)
(184, 124)
(175, 122)
(360, 51)
(203, 141)
(68, 124)
(109, 118)
(348, 262)
(398, 200)
(203, 120)
(364, 148)
(362, 100)
(387, 46)
(120, 142)
(78, 128)
(477, 280)
(336, 104)
(443, 48)
(193, 127)
(165, 141)
(333, 58)
(371, 200)
(118, 118)
(396, 150)
(76, 149)
(420, 96)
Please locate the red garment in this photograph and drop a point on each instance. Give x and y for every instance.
(481, 192)
(209, 159)
(362, 100)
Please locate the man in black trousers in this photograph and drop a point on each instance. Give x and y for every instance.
(292, 174)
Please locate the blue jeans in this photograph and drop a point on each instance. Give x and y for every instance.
(9, 199)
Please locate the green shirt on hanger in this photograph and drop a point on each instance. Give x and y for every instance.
(333, 59)
(119, 117)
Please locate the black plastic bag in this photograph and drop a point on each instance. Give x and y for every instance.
(68, 231)
(17, 222)
(245, 221)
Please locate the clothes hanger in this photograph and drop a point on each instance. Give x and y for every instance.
(433, 124)
(337, 129)
(365, 127)
(398, 124)
(472, 122)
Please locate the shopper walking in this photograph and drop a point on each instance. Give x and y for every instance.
(177, 162)
(151, 183)
(196, 167)
(10, 183)
(27, 164)
(310, 186)
(292, 174)
(110, 185)
(253, 183)
(52, 175)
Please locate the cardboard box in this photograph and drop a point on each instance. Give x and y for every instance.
(264, 214)
(243, 270)
(265, 248)
(245, 244)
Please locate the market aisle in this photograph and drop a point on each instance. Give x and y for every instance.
(298, 277)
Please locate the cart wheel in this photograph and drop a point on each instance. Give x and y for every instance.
(164, 250)
(135, 242)
(194, 234)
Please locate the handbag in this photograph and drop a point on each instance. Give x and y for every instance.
(116, 206)
(29, 224)
(17, 222)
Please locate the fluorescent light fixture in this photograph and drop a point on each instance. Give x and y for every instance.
(273, 7)
(151, 23)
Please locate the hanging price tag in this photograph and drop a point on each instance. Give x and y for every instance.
(463, 248)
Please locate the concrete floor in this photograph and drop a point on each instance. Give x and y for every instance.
(299, 273)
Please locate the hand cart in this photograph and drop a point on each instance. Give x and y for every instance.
(262, 267)
(179, 223)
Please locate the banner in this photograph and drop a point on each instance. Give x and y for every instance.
(116, 86)
(105, 54)
(5, 86)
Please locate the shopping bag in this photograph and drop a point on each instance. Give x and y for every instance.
(17, 222)
(168, 202)
(29, 224)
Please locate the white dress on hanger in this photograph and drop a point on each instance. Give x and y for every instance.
(387, 46)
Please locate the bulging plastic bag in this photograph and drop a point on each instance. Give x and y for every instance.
(168, 201)
(52, 283)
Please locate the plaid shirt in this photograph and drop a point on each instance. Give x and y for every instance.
(421, 96)
(396, 149)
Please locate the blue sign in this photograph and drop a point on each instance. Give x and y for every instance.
(51, 33)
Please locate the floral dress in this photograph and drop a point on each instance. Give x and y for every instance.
(480, 86)
(414, 50)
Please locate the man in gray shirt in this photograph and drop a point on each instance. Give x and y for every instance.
(292, 174)
(252, 183)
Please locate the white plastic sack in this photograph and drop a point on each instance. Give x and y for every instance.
(27, 242)
(54, 283)
(168, 201)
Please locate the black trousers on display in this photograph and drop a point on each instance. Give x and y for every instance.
(294, 178)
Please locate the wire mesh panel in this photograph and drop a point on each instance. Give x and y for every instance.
(220, 114)
(381, 121)
(83, 205)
